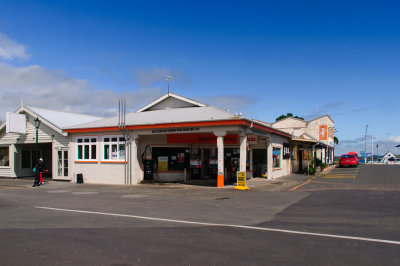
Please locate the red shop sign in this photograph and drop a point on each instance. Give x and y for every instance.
(201, 138)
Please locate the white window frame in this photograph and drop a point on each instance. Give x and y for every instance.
(90, 143)
(118, 142)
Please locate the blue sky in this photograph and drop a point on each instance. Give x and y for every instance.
(261, 58)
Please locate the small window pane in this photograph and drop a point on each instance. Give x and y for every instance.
(80, 152)
(122, 151)
(93, 140)
(86, 152)
(114, 139)
(59, 163)
(106, 152)
(106, 139)
(122, 139)
(65, 163)
(94, 152)
(114, 152)
(79, 140)
(86, 140)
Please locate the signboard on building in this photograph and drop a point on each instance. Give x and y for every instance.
(163, 163)
(201, 138)
(286, 151)
(15, 123)
(241, 180)
(252, 139)
(323, 132)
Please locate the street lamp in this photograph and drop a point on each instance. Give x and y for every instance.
(365, 150)
(37, 125)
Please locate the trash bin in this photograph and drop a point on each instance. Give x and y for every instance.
(79, 178)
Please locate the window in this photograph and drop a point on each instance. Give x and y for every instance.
(86, 148)
(29, 158)
(114, 148)
(62, 163)
(26, 161)
(170, 159)
(4, 156)
(276, 156)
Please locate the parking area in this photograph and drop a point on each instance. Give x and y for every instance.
(187, 224)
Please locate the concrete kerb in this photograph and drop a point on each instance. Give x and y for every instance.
(256, 184)
(326, 170)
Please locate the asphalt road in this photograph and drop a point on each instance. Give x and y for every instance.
(346, 217)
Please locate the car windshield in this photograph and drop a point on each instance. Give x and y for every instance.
(348, 156)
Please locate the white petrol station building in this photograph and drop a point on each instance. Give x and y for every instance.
(172, 139)
(176, 139)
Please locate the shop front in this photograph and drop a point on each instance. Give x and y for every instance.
(190, 157)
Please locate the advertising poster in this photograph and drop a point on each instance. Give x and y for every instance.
(163, 163)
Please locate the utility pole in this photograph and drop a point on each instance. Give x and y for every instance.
(377, 150)
(372, 147)
(365, 150)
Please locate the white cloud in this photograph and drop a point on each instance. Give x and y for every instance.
(392, 139)
(234, 103)
(384, 145)
(38, 86)
(9, 49)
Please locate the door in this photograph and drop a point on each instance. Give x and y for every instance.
(206, 163)
(260, 162)
(62, 163)
(300, 156)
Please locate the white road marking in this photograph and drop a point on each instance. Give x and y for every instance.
(228, 225)
(84, 193)
(58, 191)
(133, 196)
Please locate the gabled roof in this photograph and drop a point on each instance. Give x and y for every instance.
(171, 96)
(262, 122)
(55, 119)
(177, 115)
(286, 118)
(187, 117)
(320, 118)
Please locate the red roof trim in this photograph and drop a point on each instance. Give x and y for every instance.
(186, 124)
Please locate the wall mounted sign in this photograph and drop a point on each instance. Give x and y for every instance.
(163, 163)
(323, 132)
(200, 139)
(252, 139)
(286, 151)
(170, 130)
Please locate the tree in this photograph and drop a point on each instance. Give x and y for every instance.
(335, 140)
(288, 115)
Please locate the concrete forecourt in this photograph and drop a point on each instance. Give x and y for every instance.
(346, 216)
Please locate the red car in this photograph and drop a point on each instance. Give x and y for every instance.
(355, 154)
(348, 160)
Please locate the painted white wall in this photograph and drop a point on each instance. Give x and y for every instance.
(313, 129)
(286, 168)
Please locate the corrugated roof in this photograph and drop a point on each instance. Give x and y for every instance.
(62, 119)
(179, 115)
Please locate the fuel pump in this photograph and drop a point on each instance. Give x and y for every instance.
(195, 168)
(213, 167)
(234, 168)
(148, 163)
(148, 169)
